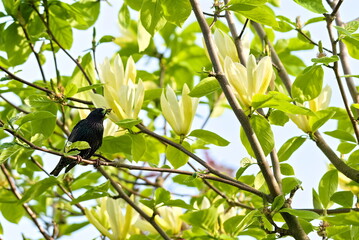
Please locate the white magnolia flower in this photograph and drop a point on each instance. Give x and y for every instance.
(121, 94)
(179, 114)
(319, 103)
(168, 218)
(111, 221)
(251, 80)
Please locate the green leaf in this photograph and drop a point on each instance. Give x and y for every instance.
(301, 213)
(93, 193)
(286, 169)
(317, 204)
(78, 145)
(209, 137)
(179, 203)
(161, 196)
(320, 118)
(176, 157)
(278, 101)
(152, 16)
(152, 94)
(278, 203)
(263, 132)
(90, 87)
(38, 188)
(238, 224)
(176, 11)
(353, 46)
(308, 84)
(345, 147)
(289, 183)
(205, 219)
(61, 30)
(245, 163)
(326, 60)
(138, 146)
(343, 198)
(70, 90)
(124, 16)
(8, 150)
(327, 186)
(112, 145)
(42, 122)
(13, 212)
(106, 38)
(289, 147)
(128, 123)
(260, 13)
(278, 117)
(315, 6)
(342, 219)
(205, 87)
(342, 135)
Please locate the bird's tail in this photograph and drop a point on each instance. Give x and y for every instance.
(62, 163)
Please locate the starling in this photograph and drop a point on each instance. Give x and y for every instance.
(89, 130)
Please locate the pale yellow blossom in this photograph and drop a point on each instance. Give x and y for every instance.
(179, 114)
(319, 103)
(251, 80)
(121, 93)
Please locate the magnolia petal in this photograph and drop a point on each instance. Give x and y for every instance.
(130, 72)
(251, 75)
(92, 219)
(119, 72)
(139, 97)
(175, 109)
(187, 112)
(264, 75)
(225, 45)
(116, 218)
(167, 112)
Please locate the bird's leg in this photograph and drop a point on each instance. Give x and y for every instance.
(97, 163)
(79, 159)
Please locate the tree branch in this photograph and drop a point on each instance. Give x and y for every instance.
(27, 208)
(339, 164)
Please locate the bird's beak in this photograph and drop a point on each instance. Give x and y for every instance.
(108, 111)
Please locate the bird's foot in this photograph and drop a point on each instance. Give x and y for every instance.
(79, 159)
(97, 163)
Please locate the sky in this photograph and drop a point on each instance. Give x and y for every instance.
(309, 163)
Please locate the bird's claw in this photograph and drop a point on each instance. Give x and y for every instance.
(97, 163)
(79, 159)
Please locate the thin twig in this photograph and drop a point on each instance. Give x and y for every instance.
(27, 208)
(237, 38)
(329, 20)
(227, 90)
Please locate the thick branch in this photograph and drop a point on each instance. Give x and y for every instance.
(335, 160)
(243, 119)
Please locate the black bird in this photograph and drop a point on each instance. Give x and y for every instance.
(89, 130)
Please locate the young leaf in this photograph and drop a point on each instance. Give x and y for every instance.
(138, 146)
(176, 157)
(315, 6)
(205, 87)
(176, 11)
(209, 137)
(128, 123)
(263, 132)
(342, 135)
(327, 186)
(317, 204)
(326, 60)
(308, 84)
(152, 17)
(343, 198)
(38, 189)
(301, 213)
(286, 169)
(278, 203)
(289, 147)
